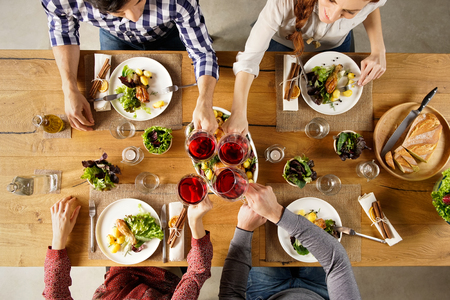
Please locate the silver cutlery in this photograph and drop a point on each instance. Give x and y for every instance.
(109, 97)
(175, 88)
(92, 211)
(163, 228)
(350, 231)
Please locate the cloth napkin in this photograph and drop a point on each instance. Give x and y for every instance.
(291, 105)
(366, 201)
(99, 61)
(176, 253)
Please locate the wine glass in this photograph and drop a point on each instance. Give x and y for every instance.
(229, 183)
(192, 189)
(201, 145)
(234, 149)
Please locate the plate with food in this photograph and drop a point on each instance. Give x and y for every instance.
(422, 151)
(128, 231)
(140, 79)
(332, 87)
(250, 166)
(319, 212)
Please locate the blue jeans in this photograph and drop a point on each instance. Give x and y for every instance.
(170, 41)
(347, 45)
(264, 282)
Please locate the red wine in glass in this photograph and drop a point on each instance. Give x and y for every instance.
(230, 183)
(192, 189)
(202, 146)
(233, 149)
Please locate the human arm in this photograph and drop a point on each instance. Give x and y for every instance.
(203, 115)
(57, 264)
(373, 66)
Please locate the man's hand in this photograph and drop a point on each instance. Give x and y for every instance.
(78, 111)
(263, 201)
(63, 221)
(195, 217)
(248, 219)
(203, 115)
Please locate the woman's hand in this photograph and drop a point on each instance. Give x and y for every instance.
(372, 67)
(236, 123)
(63, 221)
(195, 217)
(263, 201)
(248, 219)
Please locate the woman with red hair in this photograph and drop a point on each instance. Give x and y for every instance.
(305, 26)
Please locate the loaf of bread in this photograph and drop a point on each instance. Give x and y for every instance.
(389, 160)
(407, 157)
(402, 164)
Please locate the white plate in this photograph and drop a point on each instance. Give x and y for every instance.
(160, 80)
(328, 59)
(326, 211)
(105, 223)
(226, 112)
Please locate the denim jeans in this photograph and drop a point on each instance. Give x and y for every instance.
(171, 41)
(264, 282)
(347, 45)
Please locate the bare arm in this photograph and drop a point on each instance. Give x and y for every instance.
(203, 115)
(77, 107)
(374, 65)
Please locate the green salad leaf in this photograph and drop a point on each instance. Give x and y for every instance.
(129, 101)
(157, 139)
(442, 208)
(300, 248)
(299, 171)
(144, 227)
(100, 173)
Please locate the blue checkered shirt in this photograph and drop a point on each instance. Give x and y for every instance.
(158, 18)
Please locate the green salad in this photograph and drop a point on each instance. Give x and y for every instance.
(441, 196)
(157, 139)
(101, 174)
(299, 171)
(144, 227)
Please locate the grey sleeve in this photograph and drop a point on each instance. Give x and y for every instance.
(329, 252)
(237, 266)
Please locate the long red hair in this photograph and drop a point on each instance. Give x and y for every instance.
(303, 10)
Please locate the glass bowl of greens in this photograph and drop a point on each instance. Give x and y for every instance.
(157, 139)
(349, 144)
(441, 196)
(298, 171)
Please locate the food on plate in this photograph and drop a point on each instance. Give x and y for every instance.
(134, 89)
(100, 173)
(441, 196)
(159, 104)
(157, 140)
(130, 233)
(389, 160)
(312, 216)
(350, 145)
(298, 171)
(323, 81)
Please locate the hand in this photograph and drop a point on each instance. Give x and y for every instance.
(204, 118)
(372, 67)
(248, 219)
(63, 221)
(195, 217)
(78, 111)
(263, 201)
(236, 123)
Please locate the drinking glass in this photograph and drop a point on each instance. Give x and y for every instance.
(132, 155)
(329, 184)
(146, 182)
(317, 128)
(201, 145)
(121, 128)
(192, 189)
(234, 149)
(229, 183)
(368, 170)
(274, 153)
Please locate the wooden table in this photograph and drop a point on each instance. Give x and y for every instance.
(30, 84)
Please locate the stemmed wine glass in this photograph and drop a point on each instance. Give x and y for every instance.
(201, 145)
(229, 183)
(234, 149)
(192, 189)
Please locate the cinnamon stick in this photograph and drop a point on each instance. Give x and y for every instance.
(292, 83)
(376, 209)
(178, 226)
(288, 83)
(101, 75)
(385, 225)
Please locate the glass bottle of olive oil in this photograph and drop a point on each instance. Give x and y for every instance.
(50, 123)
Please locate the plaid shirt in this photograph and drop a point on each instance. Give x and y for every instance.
(158, 18)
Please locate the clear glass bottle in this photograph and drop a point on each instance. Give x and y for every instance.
(33, 185)
(50, 123)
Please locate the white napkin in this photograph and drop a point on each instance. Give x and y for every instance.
(366, 201)
(99, 60)
(293, 104)
(176, 253)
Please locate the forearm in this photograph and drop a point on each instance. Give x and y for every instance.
(242, 86)
(206, 85)
(67, 58)
(57, 275)
(372, 24)
(197, 229)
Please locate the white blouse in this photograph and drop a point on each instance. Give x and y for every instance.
(277, 21)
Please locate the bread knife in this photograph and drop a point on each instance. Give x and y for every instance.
(406, 122)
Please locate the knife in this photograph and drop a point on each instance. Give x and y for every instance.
(109, 97)
(406, 122)
(163, 228)
(350, 231)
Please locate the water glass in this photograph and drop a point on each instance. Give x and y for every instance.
(317, 128)
(274, 153)
(132, 155)
(368, 170)
(146, 182)
(329, 184)
(122, 129)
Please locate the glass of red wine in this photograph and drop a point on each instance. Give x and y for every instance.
(229, 183)
(234, 149)
(201, 145)
(192, 189)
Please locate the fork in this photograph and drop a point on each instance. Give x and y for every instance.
(175, 88)
(92, 211)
